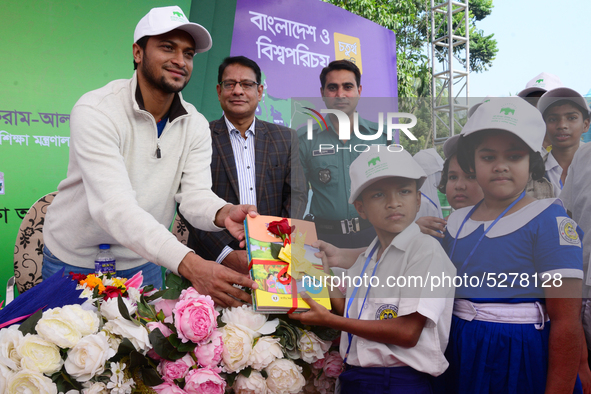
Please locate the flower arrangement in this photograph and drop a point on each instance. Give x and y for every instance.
(127, 339)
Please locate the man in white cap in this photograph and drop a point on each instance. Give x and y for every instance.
(138, 149)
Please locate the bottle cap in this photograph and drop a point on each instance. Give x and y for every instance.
(104, 246)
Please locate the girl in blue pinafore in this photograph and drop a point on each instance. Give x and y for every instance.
(510, 333)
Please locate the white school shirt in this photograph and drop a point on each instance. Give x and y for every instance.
(576, 196)
(411, 253)
(553, 172)
(243, 150)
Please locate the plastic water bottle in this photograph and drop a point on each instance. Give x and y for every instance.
(104, 261)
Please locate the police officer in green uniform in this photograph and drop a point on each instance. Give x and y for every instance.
(326, 160)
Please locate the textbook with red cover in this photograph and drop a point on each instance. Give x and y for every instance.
(280, 282)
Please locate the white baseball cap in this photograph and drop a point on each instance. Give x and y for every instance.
(558, 94)
(161, 20)
(450, 147)
(541, 83)
(429, 160)
(512, 114)
(378, 163)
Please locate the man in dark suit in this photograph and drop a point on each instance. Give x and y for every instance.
(252, 161)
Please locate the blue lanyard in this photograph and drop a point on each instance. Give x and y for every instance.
(435, 205)
(367, 260)
(560, 181)
(485, 232)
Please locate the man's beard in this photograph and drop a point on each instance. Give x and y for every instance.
(161, 84)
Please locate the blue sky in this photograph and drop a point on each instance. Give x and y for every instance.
(536, 36)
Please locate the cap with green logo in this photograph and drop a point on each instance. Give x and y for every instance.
(541, 83)
(559, 94)
(161, 20)
(512, 114)
(378, 163)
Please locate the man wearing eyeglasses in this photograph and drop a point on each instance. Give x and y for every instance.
(253, 162)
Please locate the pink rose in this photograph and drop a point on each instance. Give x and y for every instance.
(168, 388)
(171, 370)
(189, 293)
(204, 381)
(333, 365)
(153, 355)
(195, 318)
(210, 354)
(166, 306)
(163, 329)
(319, 364)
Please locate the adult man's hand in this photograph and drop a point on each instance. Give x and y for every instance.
(237, 260)
(215, 280)
(232, 218)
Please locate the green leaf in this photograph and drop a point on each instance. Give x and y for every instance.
(230, 378)
(246, 372)
(160, 343)
(136, 359)
(275, 249)
(28, 326)
(186, 347)
(264, 373)
(150, 377)
(155, 296)
(123, 308)
(146, 310)
(173, 281)
(171, 294)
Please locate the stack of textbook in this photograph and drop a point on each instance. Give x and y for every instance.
(279, 287)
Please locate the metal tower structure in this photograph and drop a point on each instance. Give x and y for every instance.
(450, 81)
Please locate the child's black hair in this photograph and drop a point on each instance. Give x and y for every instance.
(559, 103)
(467, 149)
(444, 174)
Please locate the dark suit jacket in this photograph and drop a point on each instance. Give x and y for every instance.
(279, 176)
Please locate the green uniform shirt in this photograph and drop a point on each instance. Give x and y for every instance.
(327, 171)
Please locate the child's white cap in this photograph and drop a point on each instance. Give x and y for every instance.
(161, 20)
(429, 160)
(450, 147)
(512, 114)
(558, 94)
(541, 83)
(378, 163)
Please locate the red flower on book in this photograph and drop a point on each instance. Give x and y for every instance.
(282, 229)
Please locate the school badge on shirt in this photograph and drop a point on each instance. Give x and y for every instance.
(387, 311)
(567, 228)
(324, 175)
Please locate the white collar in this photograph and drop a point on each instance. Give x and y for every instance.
(231, 127)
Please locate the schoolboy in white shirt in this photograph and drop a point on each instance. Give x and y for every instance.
(566, 115)
(394, 330)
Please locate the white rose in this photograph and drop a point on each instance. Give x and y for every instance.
(39, 355)
(284, 377)
(88, 357)
(59, 328)
(254, 384)
(110, 308)
(87, 321)
(95, 388)
(311, 347)
(134, 294)
(10, 338)
(237, 347)
(27, 381)
(264, 352)
(138, 335)
(5, 375)
(244, 316)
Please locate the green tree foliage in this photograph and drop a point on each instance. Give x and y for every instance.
(410, 21)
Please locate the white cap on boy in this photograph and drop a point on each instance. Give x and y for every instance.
(558, 94)
(512, 114)
(164, 19)
(378, 163)
(541, 83)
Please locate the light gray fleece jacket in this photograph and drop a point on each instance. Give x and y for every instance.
(118, 192)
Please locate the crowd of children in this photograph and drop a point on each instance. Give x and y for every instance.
(515, 321)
